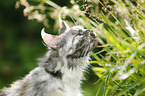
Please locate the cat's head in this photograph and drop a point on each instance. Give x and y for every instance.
(73, 42)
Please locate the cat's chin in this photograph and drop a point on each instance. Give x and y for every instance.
(79, 53)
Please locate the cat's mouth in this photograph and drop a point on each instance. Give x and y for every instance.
(86, 43)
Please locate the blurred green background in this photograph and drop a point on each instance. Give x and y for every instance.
(21, 44)
(118, 61)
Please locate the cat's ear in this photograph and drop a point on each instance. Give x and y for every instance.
(64, 27)
(50, 40)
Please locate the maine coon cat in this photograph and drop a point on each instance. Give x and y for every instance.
(60, 71)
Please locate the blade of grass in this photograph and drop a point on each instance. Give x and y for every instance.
(128, 88)
(52, 4)
(139, 91)
(137, 77)
(99, 90)
(106, 83)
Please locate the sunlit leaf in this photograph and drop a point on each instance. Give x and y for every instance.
(128, 88)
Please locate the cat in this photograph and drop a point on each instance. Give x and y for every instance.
(61, 70)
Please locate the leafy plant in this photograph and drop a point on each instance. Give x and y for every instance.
(119, 25)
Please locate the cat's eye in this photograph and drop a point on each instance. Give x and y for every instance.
(88, 30)
(80, 32)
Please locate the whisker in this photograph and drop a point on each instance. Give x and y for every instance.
(72, 19)
(82, 52)
(81, 46)
(86, 50)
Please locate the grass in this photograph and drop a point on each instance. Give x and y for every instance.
(119, 25)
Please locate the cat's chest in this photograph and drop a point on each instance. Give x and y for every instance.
(70, 82)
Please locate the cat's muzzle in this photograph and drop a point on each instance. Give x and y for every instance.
(87, 43)
(90, 37)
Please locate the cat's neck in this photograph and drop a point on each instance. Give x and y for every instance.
(61, 65)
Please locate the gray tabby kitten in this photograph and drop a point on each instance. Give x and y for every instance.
(61, 70)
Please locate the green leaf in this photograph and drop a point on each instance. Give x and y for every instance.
(139, 91)
(100, 69)
(106, 83)
(52, 4)
(99, 91)
(128, 88)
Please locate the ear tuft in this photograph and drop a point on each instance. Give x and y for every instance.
(63, 26)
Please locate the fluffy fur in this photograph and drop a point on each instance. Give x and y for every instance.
(61, 70)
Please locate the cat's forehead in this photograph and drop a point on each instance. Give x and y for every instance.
(77, 27)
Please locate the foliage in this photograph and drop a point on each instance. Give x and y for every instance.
(120, 29)
(119, 59)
